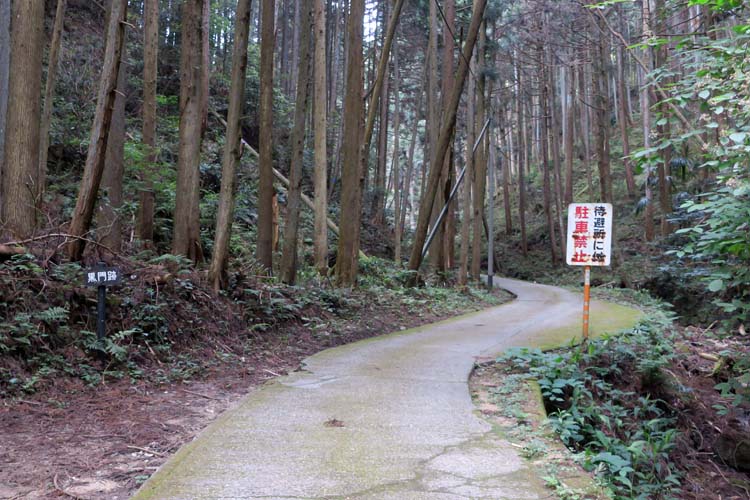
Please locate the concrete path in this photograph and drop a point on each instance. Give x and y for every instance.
(385, 418)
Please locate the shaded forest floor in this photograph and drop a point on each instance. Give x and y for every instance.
(101, 432)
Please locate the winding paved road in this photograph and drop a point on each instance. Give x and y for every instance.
(386, 418)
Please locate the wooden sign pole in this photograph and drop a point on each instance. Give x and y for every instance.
(586, 301)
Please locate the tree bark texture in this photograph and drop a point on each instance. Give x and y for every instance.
(352, 154)
(4, 72)
(320, 122)
(21, 165)
(147, 200)
(232, 148)
(186, 238)
(49, 92)
(264, 249)
(96, 157)
(291, 229)
(109, 222)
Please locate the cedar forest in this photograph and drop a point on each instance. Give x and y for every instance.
(275, 177)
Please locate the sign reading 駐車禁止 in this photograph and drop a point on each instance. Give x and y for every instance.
(589, 234)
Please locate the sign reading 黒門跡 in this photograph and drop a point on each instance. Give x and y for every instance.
(103, 276)
(589, 234)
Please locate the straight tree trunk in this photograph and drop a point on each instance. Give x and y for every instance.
(602, 106)
(648, 212)
(665, 190)
(49, 92)
(446, 134)
(264, 249)
(506, 176)
(569, 135)
(232, 147)
(379, 191)
(480, 162)
(622, 113)
(291, 229)
(95, 159)
(320, 123)
(522, 159)
(206, 63)
(147, 199)
(585, 112)
(468, 212)
(109, 222)
(21, 167)
(186, 238)
(555, 140)
(396, 162)
(4, 73)
(351, 197)
(408, 182)
(544, 113)
(449, 226)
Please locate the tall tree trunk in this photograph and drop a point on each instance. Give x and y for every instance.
(291, 229)
(264, 249)
(665, 189)
(232, 147)
(569, 141)
(379, 191)
(109, 221)
(49, 92)
(468, 183)
(622, 112)
(21, 167)
(648, 212)
(449, 226)
(4, 73)
(585, 112)
(320, 124)
(544, 113)
(555, 140)
(147, 199)
(206, 63)
(480, 162)
(92, 173)
(396, 162)
(446, 134)
(522, 158)
(352, 154)
(506, 166)
(602, 106)
(186, 238)
(408, 181)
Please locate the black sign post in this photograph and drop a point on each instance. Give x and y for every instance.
(102, 277)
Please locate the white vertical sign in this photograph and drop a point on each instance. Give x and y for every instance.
(589, 234)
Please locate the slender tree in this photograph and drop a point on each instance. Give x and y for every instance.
(320, 121)
(21, 165)
(4, 72)
(49, 92)
(105, 103)
(396, 161)
(352, 154)
(186, 238)
(289, 249)
(264, 249)
(232, 147)
(147, 201)
(109, 221)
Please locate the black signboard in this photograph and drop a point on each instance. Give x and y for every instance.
(103, 276)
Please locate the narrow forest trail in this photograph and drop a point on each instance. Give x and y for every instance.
(388, 417)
